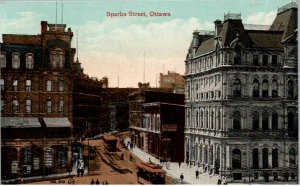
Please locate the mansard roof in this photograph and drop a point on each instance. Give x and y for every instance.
(265, 39)
(206, 46)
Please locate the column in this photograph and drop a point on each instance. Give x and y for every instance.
(260, 121)
(260, 158)
(214, 159)
(228, 157)
(270, 122)
(70, 163)
(203, 161)
(18, 159)
(270, 157)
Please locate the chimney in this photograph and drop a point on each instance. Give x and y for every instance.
(218, 26)
(43, 26)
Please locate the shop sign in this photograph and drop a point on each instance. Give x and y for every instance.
(168, 127)
(14, 167)
(36, 163)
(48, 157)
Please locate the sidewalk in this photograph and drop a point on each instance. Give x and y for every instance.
(175, 171)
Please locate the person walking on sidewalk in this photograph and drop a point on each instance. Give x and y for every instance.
(197, 174)
(181, 178)
(97, 182)
(92, 182)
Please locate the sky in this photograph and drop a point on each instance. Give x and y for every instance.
(120, 48)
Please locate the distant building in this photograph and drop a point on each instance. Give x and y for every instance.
(172, 80)
(159, 121)
(241, 99)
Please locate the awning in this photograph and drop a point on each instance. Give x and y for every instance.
(57, 122)
(18, 122)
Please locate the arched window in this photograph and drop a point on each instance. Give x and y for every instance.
(201, 120)
(237, 54)
(29, 61)
(237, 120)
(292, 156)
(265, 157)
(61, 86)
(197, 119)
(2, 60)
(275, 120)
(236, 159)
(2, 84)
(290, 89)
(255, 158)
(206, 122)
(237, 88)
(255, 120)
(15, 85)
(15, 60)
(265, 120)
(49, 106)
(265, 88)
(255, 91)
(212, 119)
(275, 158)
(15, 105)
(28, 106)
(274, 89)
(218, 123)
(291, 121)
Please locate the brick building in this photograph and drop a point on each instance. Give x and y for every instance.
(36, 102)
(241, 99)
(172, 80)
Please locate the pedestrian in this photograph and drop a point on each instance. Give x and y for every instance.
(181, 178)
(106, 183)
(92, 182)
(179, 164)
(219, 181)
(78, 171)
(97, 182)
(198, 164)
(150, 160)
(197, 174)
(130, 157)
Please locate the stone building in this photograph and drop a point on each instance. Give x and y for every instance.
(36, 102)
(241, 99)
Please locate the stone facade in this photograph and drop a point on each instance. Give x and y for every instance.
(241, 100)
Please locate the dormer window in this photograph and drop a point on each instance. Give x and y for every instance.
(57, 58)
(29, 61)
(16, 60)
(2, 60)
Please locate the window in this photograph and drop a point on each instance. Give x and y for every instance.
(265, 158)
(274, 89)
(27, 155)
(255, 60)
(237, 88)
(237, 54)
(15, 85)
(255, 158)
(62, 156)
(61, 86)
(28, 85)
(2, 84)
(274, 60)
(29, 61)
(265, 120)
(61, 105)
(292, 156)
(265, 60)
(49, 85)
(265, 88)
(255, 120)
(255, 91)
(15, 60)
(237, 120)
(236, 159)
(275, 158)
(290, 89)
(28, 106)
(57, 58)
(2, 60)
(15, 106)
(290, 121)
(212, 119)
(49, 106)
(2, 106)
(275, 120)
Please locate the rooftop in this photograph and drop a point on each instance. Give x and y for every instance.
(287, 6)
(232, 16)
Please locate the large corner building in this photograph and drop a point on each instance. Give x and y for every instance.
(241, 99)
